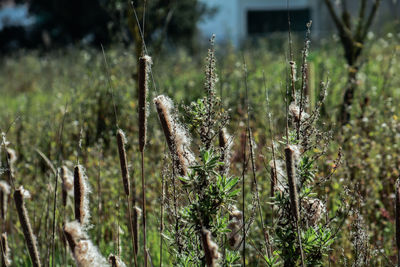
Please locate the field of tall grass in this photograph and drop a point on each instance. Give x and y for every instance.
(238, 159)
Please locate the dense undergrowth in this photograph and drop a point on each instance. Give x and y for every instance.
(61, 105)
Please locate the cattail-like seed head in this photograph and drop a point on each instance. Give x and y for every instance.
(4, 193)
(294, 111)
(210, 248)
(67, 186)
(235, 225)
(5, 249)
(30, 238)
(291, 176)
(11, 155)
(115, 261)
(121, 141)
(314, 210)
(137, 212)
(277, 170)
(177, 138)
(144, 73)
(85, 253)
(81, 195)
(397, 214)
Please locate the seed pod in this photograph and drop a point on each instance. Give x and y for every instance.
(115, 261)
(4, 193)
(144, 73)
(67, 184)
(137, 212)
(85, 253)
(121, 140)
(235, 225)
(177, 138)
(210, 248)
(30, 239)
(81, 192)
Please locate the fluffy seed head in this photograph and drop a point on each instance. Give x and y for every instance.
(294, 111)
(19, 195)
(81, 195)
(121, 141)
(235, 225)
(291, 175)
(4, 193)
(115, 261)
(67, 181)
(85, 253)
(210, 248)
(280, 173)
(225, 144)
(177, 138)
(314, 210)
(144, 73)
(5, 259)
(12, 155)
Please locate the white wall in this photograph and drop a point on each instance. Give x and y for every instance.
(224, 24)
(230, 21)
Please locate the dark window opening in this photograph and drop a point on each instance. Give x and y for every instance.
(266, 21)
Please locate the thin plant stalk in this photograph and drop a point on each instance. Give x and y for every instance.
(397, 215)
(144, 70)
(162, 217)
(253, 169)
(294, 198)
(144, 209)
(126, 182)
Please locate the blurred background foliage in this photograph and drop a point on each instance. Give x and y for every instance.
(72, 87)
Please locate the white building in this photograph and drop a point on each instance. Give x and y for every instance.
(235, 20)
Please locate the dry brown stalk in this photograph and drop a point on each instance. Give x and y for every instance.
(294, 198)
(397, 215)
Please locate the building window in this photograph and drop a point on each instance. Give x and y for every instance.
(261, 22)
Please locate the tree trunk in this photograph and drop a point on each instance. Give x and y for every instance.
(348, 95)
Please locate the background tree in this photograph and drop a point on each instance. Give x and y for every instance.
(171, 21)
(67, 21)
(352, 38)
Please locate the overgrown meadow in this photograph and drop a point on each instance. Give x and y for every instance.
(238, 155)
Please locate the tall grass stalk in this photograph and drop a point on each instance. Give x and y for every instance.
(121, 140)
(397, 215)
(144, 72)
